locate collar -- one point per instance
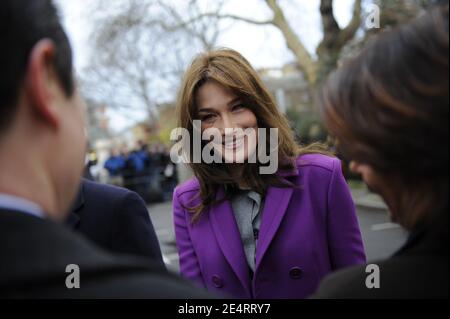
(73, 219)
(79, 200)
(289, 173)
(21, 205)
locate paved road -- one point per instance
(161, 215)
(381, 238)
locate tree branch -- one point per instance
(239, 18)
(331, 30)
(187, 23)
(304, 59)
(334, 39)
(350, 30)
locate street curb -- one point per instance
(381, 207)
(367, 200)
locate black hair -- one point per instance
(23, 23)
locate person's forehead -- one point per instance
(213, 95)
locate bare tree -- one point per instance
(334, 37)
(141, 51)
(146, 44)
(314, 66)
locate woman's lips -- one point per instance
(234, 145)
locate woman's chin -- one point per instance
(235, 159)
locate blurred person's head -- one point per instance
(224, 92)
(388, 109)
(142, 145)
(161, 147)
(42, 137)
(114, 152)
(123, 150)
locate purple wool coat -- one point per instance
(305, 234)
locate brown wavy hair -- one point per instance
(231, 70)
(389, 108)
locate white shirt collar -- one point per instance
(21, 205)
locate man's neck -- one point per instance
(24, 178)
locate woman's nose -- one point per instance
(227, 123)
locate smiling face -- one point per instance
(221, 109)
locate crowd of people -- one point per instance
(240, 234)
(146, 170)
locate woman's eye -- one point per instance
(208, 118)
(238, 107)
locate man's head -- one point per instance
(42, 139)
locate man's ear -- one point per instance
(41, 80)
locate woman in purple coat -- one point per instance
(244, 229)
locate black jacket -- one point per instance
(116, 220)
(35, 252)
(419, 270)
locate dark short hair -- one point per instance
(389, 108)
(22, 24)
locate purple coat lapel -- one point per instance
(228, 236)
(275, 206)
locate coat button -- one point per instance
(217, 281)
(296, 273)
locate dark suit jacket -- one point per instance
(35, 252)
(419, 270)
(115, 219)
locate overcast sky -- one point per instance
(263, 46)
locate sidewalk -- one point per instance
(365, 199)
